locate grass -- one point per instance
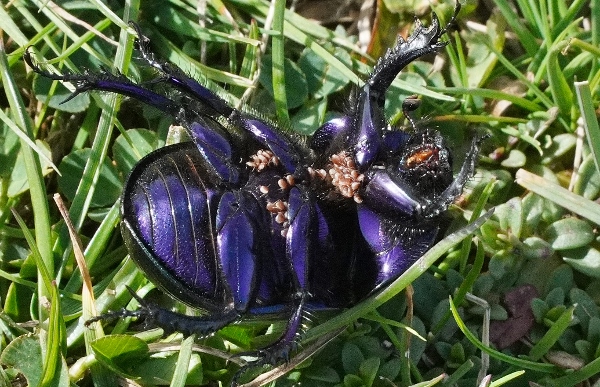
(524, 73)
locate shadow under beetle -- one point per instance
(246, 219)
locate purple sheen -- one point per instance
(409, 248)
(201, 260)
(142, 214)
(371, 227)
(293, 326)
(368, 139)
(178, 215)
(391, 264)
(163, 233)
(330, 130)
(272, 140)
(384, 194)
(298, 236)
(235, 240)
(394, 253)
(216, 150)
(323, 228)
(202, 94)
(136, 91)
(275, 268)
(394, 140)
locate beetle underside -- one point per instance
(261, 222)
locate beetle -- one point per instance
(246, 219)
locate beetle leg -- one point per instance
(281, 349)
(453, 191)
(214, 106)
(386, 194)
(212, 142)
(396, 245)
(238, 246)
(305, 239)
(368, 120)
(107, 82)
(169, 321)
(421, 42)
(169, 73)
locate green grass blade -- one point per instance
(588, 114)
(183, 362)
(551, 337)
(37, 186)
(521, 363)
(581, 206)
(278, 69)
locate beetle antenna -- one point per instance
(409, 105)
(452, 20)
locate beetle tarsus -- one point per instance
(157, 317)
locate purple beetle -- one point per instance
(246, 219)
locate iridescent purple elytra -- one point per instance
(247, 219)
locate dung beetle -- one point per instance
(246, 219)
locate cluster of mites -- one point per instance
(342, 175)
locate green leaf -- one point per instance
(586, 260)
(353, 381)
(552, 336)
(515, 159)
(324, 374)
(585, 306)
(160, 370)
(352, 358)
(25, 354)
(588, 180)
(481, 60)
(391, 368)
(19, 182)
(128, 149)
(368, 370)
(310, 116)
(295, 82)
(72, 167)
(322, 78)
(120, 353)
(521, 363)
(569, 233)
(510, 216)
(42, 86)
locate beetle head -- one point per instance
(425, 164)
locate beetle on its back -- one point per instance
(262, 223)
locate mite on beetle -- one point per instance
(259, 222)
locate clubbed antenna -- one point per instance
(409, 105)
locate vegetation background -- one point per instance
(524, 71)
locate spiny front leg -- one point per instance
(421, 42)
(105, 81)
(212, 105)
(361, 132)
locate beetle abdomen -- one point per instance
(169, 211)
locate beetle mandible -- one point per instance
(247, 219)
